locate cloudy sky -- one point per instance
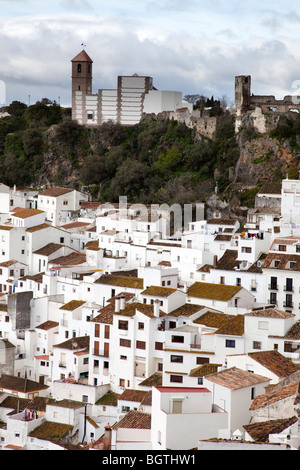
(192, 46)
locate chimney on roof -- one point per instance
(156, 308)
(122, 302)
(117, 304)
(107, 437)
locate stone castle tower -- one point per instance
(82, 81)
(242, 93)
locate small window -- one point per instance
(125, 342)
(175, 358)
(176, 379)
(263, 325)
(177, 339)
(123, 325)
(230, 343)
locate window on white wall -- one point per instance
(263, 325)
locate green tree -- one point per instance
(93, 170)
(130, 179)
(168, 160)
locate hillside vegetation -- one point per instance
(156, 161)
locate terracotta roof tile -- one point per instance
(25, 213)
(205, 290)
(147, 400)
(294, 332)
(51, 431)
(234, 326)
(159, 291)
(133, 395)
(55, 191)
(75, 344)
(260, 431)
(273, 396)
(48, 249)
(72, 305)
(187, 310)
(121, 281)
(106, 314)
(283, 261)
(204, 369)
(48, 325)
(82, 57)
(36, 228)
(275, 362)
(6, 264)
(93, 245)
(222, 221)
(15, 403)
(235, 378)
(228, 261)
(76, 225)
(134, 420)
(109, 399)
(152, 381)
(131, 309)
(73, 259)
(213, 319)
(20, 384)
(269, 313)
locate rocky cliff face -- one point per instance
(264, 159)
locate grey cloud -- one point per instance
(39, 63)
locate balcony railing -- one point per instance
(288, 304)
(273, 286)
(195, 346)
(288, 289)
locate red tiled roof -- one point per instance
(260, 431)
(134, 420)
(275, 362)
(235, 378)
(82, 57)
(55, 191)
(273, 396)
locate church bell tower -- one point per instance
(82, 80)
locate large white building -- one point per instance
(134, 96)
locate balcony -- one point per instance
(195, 346)
(100, 352)
(288, 304)
(288, 289)
(273, 286)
